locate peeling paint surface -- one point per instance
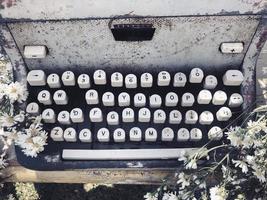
(177, 42)
(82, 9)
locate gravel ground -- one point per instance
(29, 191)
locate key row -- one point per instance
(171, 99)
(144, 115)
(135, 134)
(38, 78)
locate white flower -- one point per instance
(254, 127)
(184, 180)
(150, 196)
(169, 196)
(16, 92)
(3, 162)
(235, 140)
(240, 197)
(241, 164)
(183, 156)
(250, 159)
(218, 193)
(2, 90)
(6, 120)
(33, 141)
(192, 164)
(259, 174)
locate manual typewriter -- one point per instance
(120, 90)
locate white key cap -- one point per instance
(224, 114)
(68, 78)
(235, 100)
(57, 134)
(70, 135)
(100, 77)
(151, 135)
(44, 97)
(139, 100)
(191, 117)
(48, 115)
(128, 115)
(175, 117)
(183, 135)
(135, 134)
(95, 115)
(233, 78)
(53, 81)
(196, 75)
(164, 78)
(35, 51)
(116, 79)
(103, 135)
(167, 134)
(119, 135)
(33, 108)
(112, 118)
(76, 115)
(36, 78)
(108, 99)
(60, 97)
(130, 81)
(85, 135)
(155, 101)
(204, 97)
(146, 80)
(63, 117)
(124, 99)
(210, 82)
(171, 99)
(91, 97)
(219, 98)
(195, 134)
(144, 115)
(179, 80)
(83, 81)
(215, 133)
(206, 118)
(126, 154)
(187, 99)
(159, 116)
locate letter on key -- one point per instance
(85, 135)
(60, 97)
(76, 115)
(48, 115)
(57, 134)
(70, 135)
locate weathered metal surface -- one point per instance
(250, 61)
(12, 54)
(177, 42)
(69, 9)
(261, 72)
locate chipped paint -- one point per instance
(177, 42)
(84, 9)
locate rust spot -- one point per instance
(7, 3)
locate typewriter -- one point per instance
(135, 85)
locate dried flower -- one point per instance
(218, 193)
(16, 92)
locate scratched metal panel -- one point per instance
(69, 9)
(183, 41)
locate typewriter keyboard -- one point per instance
(113, 115)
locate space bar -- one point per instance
(124, 154)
